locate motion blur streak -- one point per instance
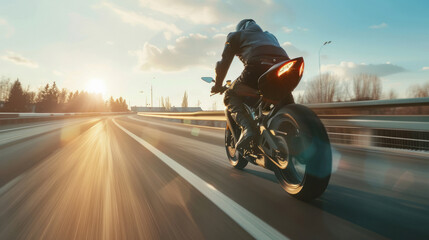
(79, 196)
(89, 190)
(252, 224)
(88, 179)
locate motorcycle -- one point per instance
(292, 141)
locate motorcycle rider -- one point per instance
(258, 50)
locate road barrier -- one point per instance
(394, 124)
(12, 118)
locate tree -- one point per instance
(118, 105)
(112, 104)
(50, 99)
(419, 91)
(5, 86)
(300, 98)
(43, 99)
(62, 97)
(47, 99)
(366, 87)
(167, 104)
(392, 94)
(162, 102)
(30, 98)
(321, 89)
(73, 102)
(17, 100)
(122, 104)
(344, 91)
(185, 100)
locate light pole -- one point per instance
(325, 43)
(142, 92)
(151, 92)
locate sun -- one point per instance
(95, 85)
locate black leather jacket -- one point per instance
(247, 44)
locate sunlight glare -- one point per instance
(96, 85)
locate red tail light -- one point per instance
(285, 68)
(301, 69)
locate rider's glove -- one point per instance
(217, 89)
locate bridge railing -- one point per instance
(393, 124)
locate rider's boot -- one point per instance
(248, 131)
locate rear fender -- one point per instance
(279, 108)
(279, 111)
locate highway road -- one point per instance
(130, 177)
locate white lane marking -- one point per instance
(247, 220)
(12, 129)
(39, 129)
(37, 125)
(10, 184)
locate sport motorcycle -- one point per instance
(292, 141)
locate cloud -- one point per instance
(58, 73)
(195, 11)
(302, 29)
(425, 68)
(287, 30)
(227, 28)
(382, 25)
(293, 51)
(18, 59)
(191, 50)
(215, 11)
(6, 30)
(349, 69)
(134, 18)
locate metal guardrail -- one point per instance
(10, 118)
(200, 116)
(22, 115)
(405, 102)
(409, 132)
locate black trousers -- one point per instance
(241, 90)
(245, 88)
(240, 93)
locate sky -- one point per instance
(127, 46)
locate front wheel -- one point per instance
(235, 158)
(306, 153)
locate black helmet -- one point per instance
(243, 24)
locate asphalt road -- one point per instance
(130, 177)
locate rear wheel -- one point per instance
(235, 158)
(305, 158)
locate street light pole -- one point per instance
(151, 96)
(320, 72)
(151, 92)
(142, 92)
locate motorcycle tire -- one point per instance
(235, 159)
(309, 155)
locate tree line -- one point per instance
(328, 87)
(14, 98)
(166, 103)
